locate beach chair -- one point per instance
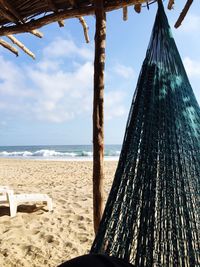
(3, 190)
(7, 195)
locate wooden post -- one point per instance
(98, 113)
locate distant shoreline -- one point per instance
(114, 159)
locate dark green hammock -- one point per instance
(152, 216)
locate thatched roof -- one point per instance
(25, 15)
(17, 16)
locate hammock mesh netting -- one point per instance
(152, 215)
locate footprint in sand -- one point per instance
(68, 244)
(42, 234)
(84, 199)
(45, 219)
(6, 230)
(83, 239)
(59, 219)
(62, 201)
(89, 220)
(81, 226)
(5, 252)
(68, 211)
(87, 211)
(77, 205)
(35, 232)
(79, 218)
(51, 239)
(7, 223)
(75, 251)
(31, 250)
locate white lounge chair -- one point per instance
(15, 199)
(3, 190)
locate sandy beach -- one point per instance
(35, 237)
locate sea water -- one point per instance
(58, 152)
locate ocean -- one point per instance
(59, 152)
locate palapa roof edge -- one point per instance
(16, 17)
(19, 16)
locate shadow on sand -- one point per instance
(5, 210)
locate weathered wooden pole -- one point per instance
(98, 113)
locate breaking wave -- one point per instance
(52, 153)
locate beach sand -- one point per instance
(35, 237)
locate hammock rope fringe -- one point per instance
(152, 215)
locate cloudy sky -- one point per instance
(49, 100)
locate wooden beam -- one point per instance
(170, 4)
(138, 8)
(11, 9)
(15, 17)
(85, 29)
(61, 23)
(72, 3)
(8, 16)
(51, 4)
(9, 47)
(183, 13)
(98, 113)
(37, 33)
(66, 14)
(125, 13)
(21, 45)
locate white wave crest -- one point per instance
(50, 153)
(86, 154)
(15, 154)
(39, 153)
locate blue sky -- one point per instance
(49, 101)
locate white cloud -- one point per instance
(49, 64)
(2, 105)
(191, 24)
(62, 95)
(10, 77)
(192, 67)
(66, 48)
(114, 104)
(3, 123)
(50, 90)
(124, 71)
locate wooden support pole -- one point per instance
(98, 113)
